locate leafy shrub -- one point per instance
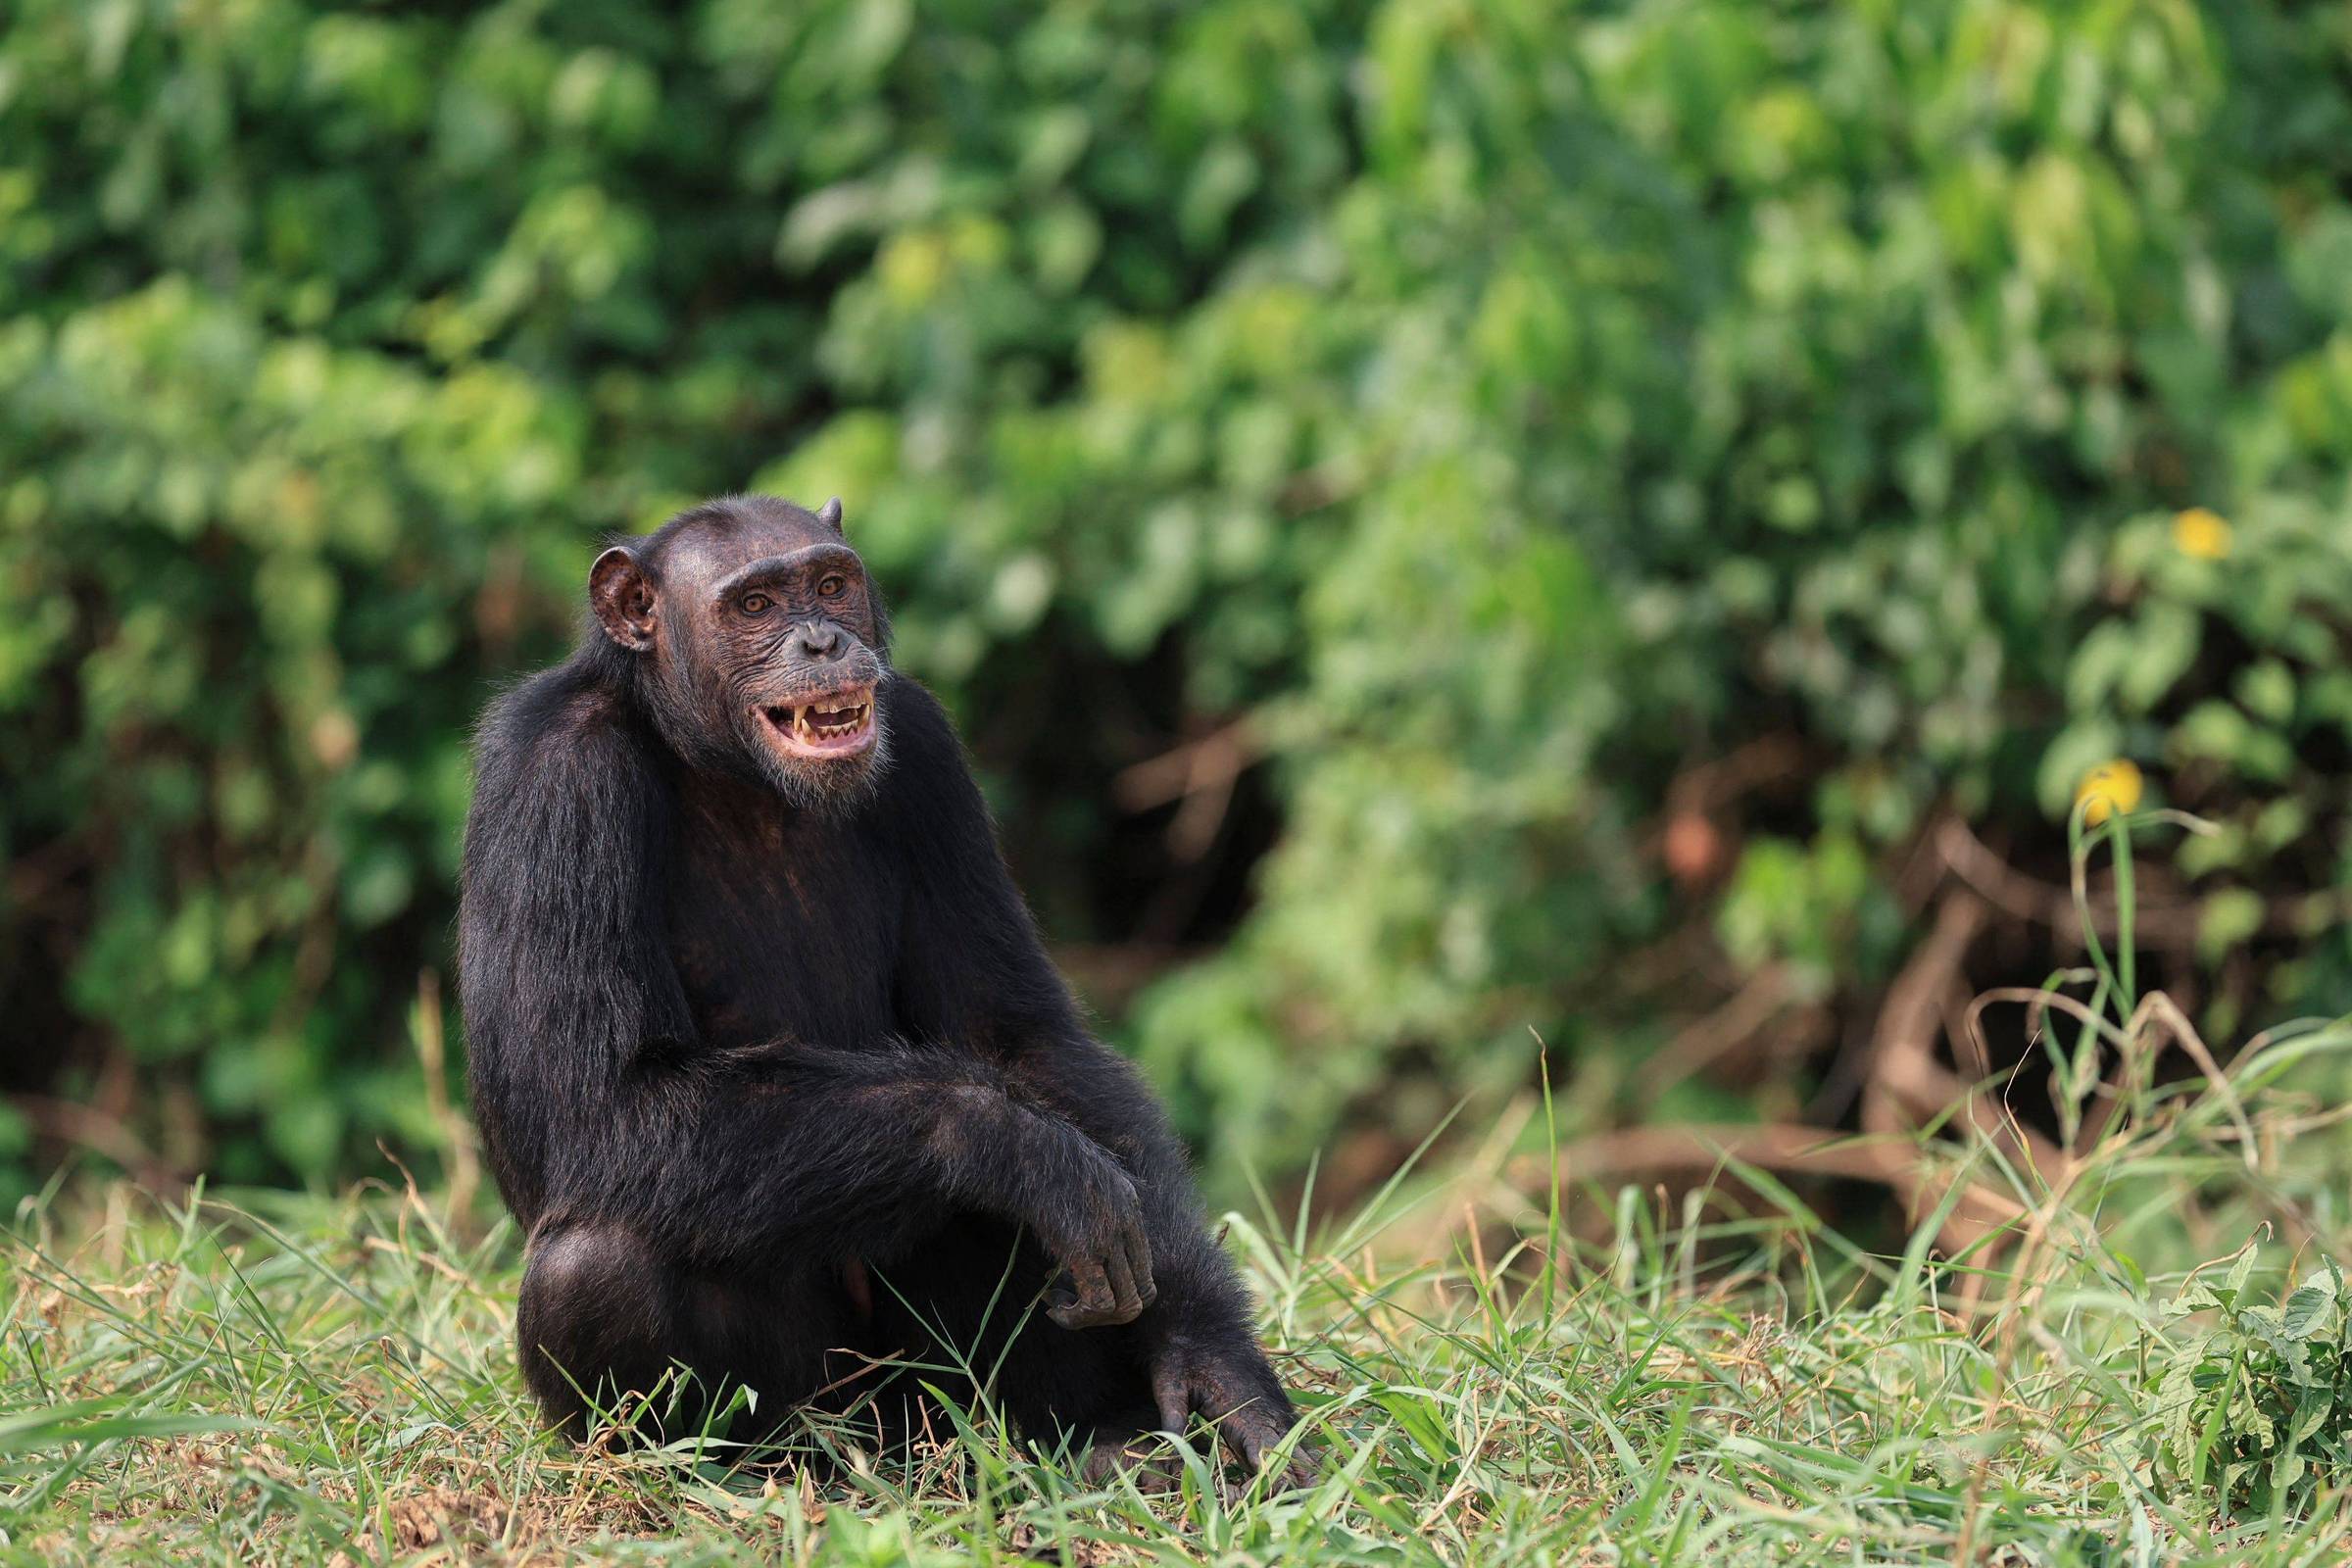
(1484, 417)
(2259, 1403)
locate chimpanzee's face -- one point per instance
(766, 640)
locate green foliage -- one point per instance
(1504, 409)
(2260, 1401)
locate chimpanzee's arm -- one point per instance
(596, 1102)
(974, 973)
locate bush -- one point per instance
(1485, 423)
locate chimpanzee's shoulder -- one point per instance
(927, 772)
(563, 728)
(915, 715)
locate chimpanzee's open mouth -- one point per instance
(827, 725)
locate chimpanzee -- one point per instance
(770, 1061)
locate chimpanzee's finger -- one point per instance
(1094, 1296)
(1253, 1432)
(1141, 1456)
(1139, 1264)
(1082, 1317)
(1174, 1397)
(1261, 1434)
(1126, 1301)
(1094, 1287)
(1241, 1439)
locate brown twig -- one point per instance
(86, 1127)
(1633, 1153)
(1199, 776)
(1182, 770)
(2165, 923)
(1701, 1044)
(1906, 1088)
(1715, 783)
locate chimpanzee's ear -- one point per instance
(830, 514)
(621, 592)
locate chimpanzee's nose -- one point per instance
(814, 640)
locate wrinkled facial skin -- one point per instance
(765, 648)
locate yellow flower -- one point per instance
(2107, 789)
(2202, 533)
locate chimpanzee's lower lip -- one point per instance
(826, 724)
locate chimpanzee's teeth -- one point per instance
(802, 720)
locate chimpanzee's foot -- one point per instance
(1226, 1381)
(1147, 1457)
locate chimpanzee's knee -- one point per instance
(596, 1321)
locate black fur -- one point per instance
(778, 1084)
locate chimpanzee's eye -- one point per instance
(755, 604)
(830, 586)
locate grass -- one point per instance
(2086, 1363)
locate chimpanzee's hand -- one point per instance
(1231, 1386)
(1096, 1233)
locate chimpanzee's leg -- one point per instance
(976, 1280)
(966, 1302)
(597, 1319)
(794, 1338)
(604, 1314)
